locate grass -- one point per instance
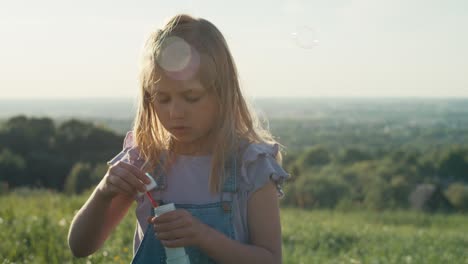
(34, 226)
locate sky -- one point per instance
(282, 48)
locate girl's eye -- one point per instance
(192, 99)
(166, 99)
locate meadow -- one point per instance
(34, 226)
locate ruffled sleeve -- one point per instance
(130, 152)
(259, 166)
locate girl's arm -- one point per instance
(95, 221)
(265, 233)
(105, 208)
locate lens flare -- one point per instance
(178, 59)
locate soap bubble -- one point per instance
(305, 37)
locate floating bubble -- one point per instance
(305, 37)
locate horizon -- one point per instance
(293, 107)
(409, 97)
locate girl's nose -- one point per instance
(176, 110)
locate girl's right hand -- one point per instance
(122, 179)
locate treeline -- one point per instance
(37, 153)
(360, 178)
(71, 156)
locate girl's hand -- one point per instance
(178, 229)
(122, 178)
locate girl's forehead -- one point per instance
(176, 85)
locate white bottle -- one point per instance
(173, 255)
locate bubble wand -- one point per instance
(150, 186)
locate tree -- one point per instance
(22, 134)
(79, 179)
(12, 169)
(318, 191)
(454, 165)
(351, 155)
(377, 194)
(315, 156)
(457, 194)
(82, 141)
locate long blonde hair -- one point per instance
(216, 70)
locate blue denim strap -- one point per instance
(230, 183)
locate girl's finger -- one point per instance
(174, 234)
(129, 178)
(168, 226)
(139, 174)
(121, 184)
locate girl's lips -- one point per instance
(180, 129)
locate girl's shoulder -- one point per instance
(250, 151)
(259, 165)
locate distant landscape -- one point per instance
(331, 121)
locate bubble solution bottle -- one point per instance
(173, 255)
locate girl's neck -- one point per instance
(202, 147)
(191, 152)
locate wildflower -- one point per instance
(62, 222)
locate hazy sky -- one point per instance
(53, 48)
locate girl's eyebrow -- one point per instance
(184, 91)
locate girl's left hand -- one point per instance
(178, 229)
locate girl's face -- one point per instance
(188, 112)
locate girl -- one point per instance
(195, 134)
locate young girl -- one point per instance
(195, 135)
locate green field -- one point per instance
(34, 226)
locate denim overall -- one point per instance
(217, 215)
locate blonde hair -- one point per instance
(215, 68)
